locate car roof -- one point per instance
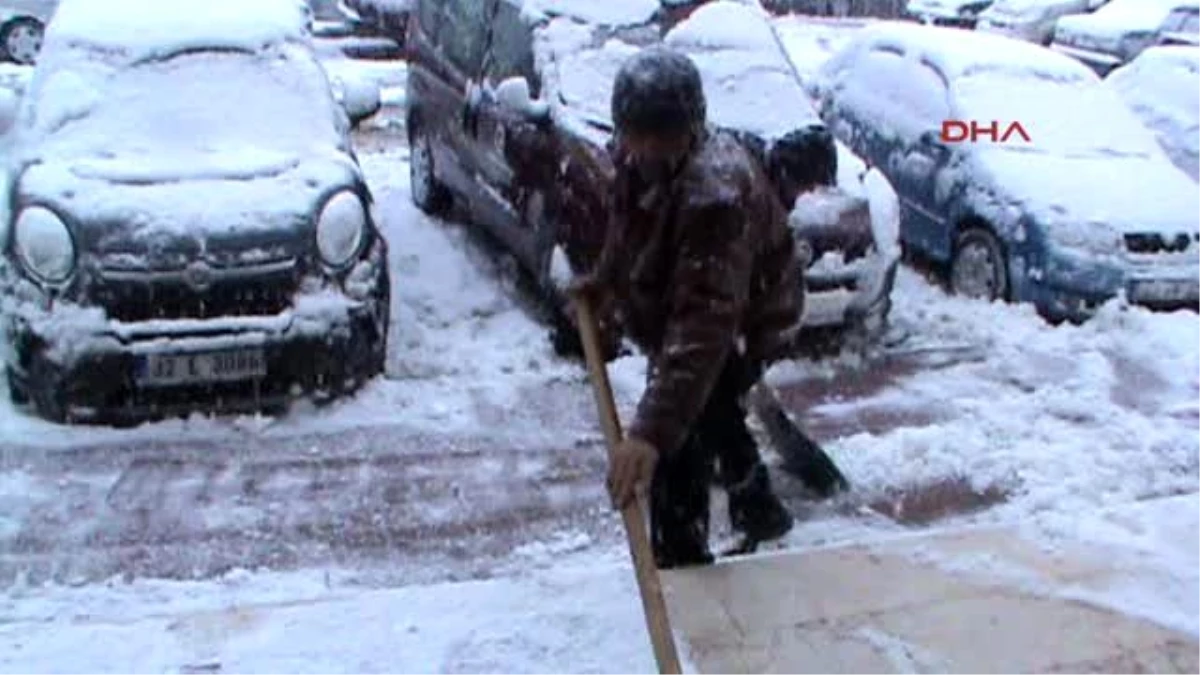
(954, 53)
(133, 30)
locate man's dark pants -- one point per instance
(679, 492)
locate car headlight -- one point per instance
(44, 245)
(341, 228)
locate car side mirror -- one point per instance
(513, 95)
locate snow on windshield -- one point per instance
(1033, 7)
(586, 79)
(195, 109)
(137, 29)
(748, 81)
(1160, 88)
(1078, 118)
(598, 12)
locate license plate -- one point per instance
(1164, 290)
(158, 370)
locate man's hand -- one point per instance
(630, 470)
(587, 287)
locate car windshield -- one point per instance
(1065, 118)
(586, 78)
(197, 102)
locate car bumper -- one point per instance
(846, 294)
(952, 21)
(1101, 62)
(1028, 30)
(326, 343)
(1072, 289)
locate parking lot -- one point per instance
(477, 457)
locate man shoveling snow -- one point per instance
(699, 269)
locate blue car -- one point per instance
(1069, 203)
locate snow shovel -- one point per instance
(802, 457)
(654, 606)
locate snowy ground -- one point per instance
(450, 517)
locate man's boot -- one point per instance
(754, 510)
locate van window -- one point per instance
(463, 33)
(512, 47)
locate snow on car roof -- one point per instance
(597, 12)
(1121, 17)
(748, 80)
(138, 29)
(956, 53)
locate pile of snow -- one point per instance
(1067, 419)
(131, 30)
(598, 13)
(1159, 87)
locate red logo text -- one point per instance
(970, 131)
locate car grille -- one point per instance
(128, 296)
(1152, 242)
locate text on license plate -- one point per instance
(200, 367)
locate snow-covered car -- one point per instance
(535, 171)
(185, 224)
(385, 17)
(22, 25)
(1117, 32)
(1182, 27)
(355, 90)
(1160, 87)
(956, 13)
(1086, 209)
(1031, 20)
(332, 18)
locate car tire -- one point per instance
(979, 267)
(428, 193)
(21, 39)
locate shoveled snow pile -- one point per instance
(1065, 419)
(1159, 87)
(139, 29)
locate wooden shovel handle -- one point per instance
(654, 606)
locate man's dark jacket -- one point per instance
(700, 268)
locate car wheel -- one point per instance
(979, 268)
(21, 39)
(428, 193)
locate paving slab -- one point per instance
(984, 600)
